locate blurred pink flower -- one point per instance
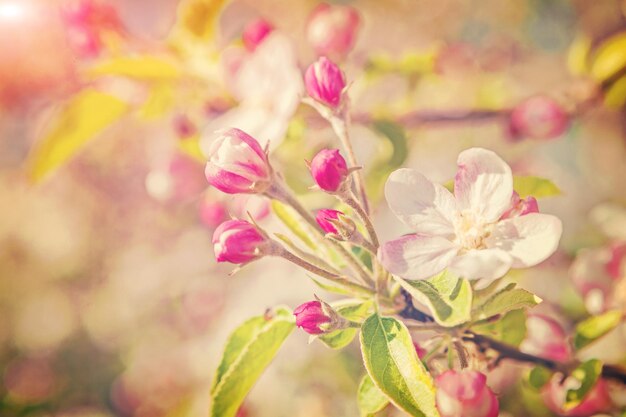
(256, 205)
(212, 212)
(464, 232)
(538, 117)
(267, 83)
(331, 30)
(545, 338)
(596, 401)
(465, 394)
(255, 32)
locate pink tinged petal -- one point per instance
(417, 256)
(483, 184)
(546, 338)
(422, 205)
(485, 264)
(227, 182)
(529, 239)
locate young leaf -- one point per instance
(505, 300)
(448, 297)
(393, 366)
(595, 327)
(587, 373)
(369, 398)
(293, 223)
(510, 329)
(248, 352)
(610, 58)
(353, 310)
(538, 377)
(85, 116)
(534, 186)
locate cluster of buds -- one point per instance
(465, 394)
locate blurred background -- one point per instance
(111, 303)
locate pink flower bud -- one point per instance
(324, 218)
(239, 242)
(465, 394)
(183, 127)
(331, 30)
(421, 352)
(520, 207)
(545, 338)
(212, 213)
(329, 169)
(614, 267)
(310, 316)
(255, 32)
(325, 82)
(596, 401)
(538, 117)
(237, 164)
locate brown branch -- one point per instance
(509, 352)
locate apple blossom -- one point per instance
(310, 317)
(593, 274)
(329, 170)
(331, 29)
(325, 82)
(237, 164)
(239, 242)
(596, 401)
(255, 32)
(545, 338)
(465, 394)
(464, 232)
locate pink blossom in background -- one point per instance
(465, 394)
(331, 29)
(538, 117)
(596, 401)
(464, 232)
(255, 32)
(546, 338)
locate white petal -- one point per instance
(417, 256)
(529, 239)
(486, 264)
(483, 183)
(425, 207)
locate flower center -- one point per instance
(471, 231)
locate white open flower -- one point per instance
(464, 232)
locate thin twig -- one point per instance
(365, 218)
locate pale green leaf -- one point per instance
(393, 366)
(86, 115)
(290, 219)
(610, 58)
(509, 329)
(369, 398)
(448, 297)
(248, 352)
(505, 300)
(615, 96)
(353, 310)
(539, 376)
(587, 373)
(534, 186)
(144, 67)
(595, 327)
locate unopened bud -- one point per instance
(325, 82)
(538, 117)
(331, 30)
(596, 401)
(239, 242)
(464, 394)
(329, 170)
(311, 317)
(336, 223)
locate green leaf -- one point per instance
(145, 67)
(290, 219)
(587, 373)
(393, 365)
(610, 58)
(538, 377)
(448, 297)
(353, 310)
(595, 327)
(535, 186)
(249, 350)
(369, 398)
(86, 115)
(510, 329)
(505, 300)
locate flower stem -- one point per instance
(365, 218)
(322, 272)
(280, 192)
(340, 126)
